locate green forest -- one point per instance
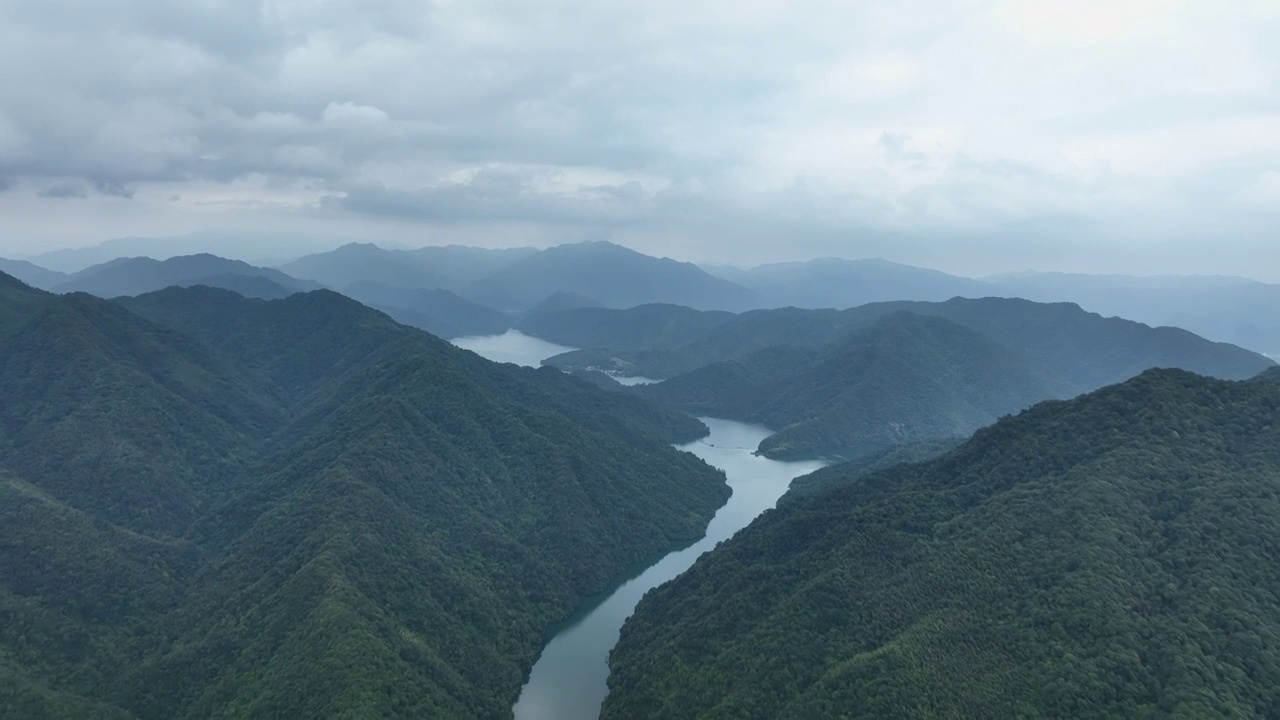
(212, 506)
(855, 383)
(1112, 556)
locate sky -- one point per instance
(967, 135)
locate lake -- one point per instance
(569, 680)
(512, 346)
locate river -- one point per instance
(569, 681)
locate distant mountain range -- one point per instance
(212, 505)
(1222, 308)
(1109, 556)
(837, 283)
(135, 276)
(32, 274)
(516, 281)
(856, 382)
(451, 267)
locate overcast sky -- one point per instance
(973, 136)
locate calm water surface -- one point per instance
(569, 681)
(512, 346)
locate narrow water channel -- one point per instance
(569, 681)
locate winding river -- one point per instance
(570, 679)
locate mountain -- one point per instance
(135, 276)
(17, 301)
(215, 506)
(439, 312)
(259, 249)
(903, 378)
(664, 341)
(1109, 556)
(613, 275)
(645, 327)
(1085, 349)
(839, 283)
(1227, 309)
(32, 274)
(451, 267)
(560, 301)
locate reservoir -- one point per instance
(512, 346)
(569, 680)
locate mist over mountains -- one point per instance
(279, 486)
(514, 281)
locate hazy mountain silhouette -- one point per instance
(135, 276)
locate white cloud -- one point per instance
(349, 115)
(813, 117)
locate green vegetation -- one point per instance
(1084, 349)
(856, 382)
(903, 378)
(1109, 556)
(851, 470)
(212, 506)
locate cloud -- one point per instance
(65, 190)
(815, 120)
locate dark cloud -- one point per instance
(65, 190)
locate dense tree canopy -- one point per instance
(219, 507)
(1117, 555)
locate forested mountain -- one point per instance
(855, 382)
(439, 312)
(611, 274)
(1109, 556)
(1086, 349)
(838, 283)
(215, 506)
(135, 276)
(32, 274)
(1228, 309)
(902, 378)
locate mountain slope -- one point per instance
(32, 274)
(439, 312)
(330, 515)
(903, 378)
(613, 275)
(1227, 309)
(1111, 556)
(111, 414)
(135, 276)
(1086, 349)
